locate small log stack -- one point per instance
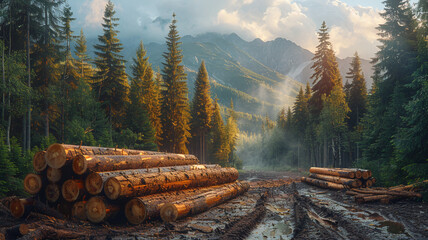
(340, 178)
(359, 183)
(98, 184)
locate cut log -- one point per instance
(99, 163)
(201, 202)
(32, 183)
(78, 210)
(410, 187)
(54, 174)
(352, 193)
(39, 161)
(145, 184)
(94, 182)
(57, 154)
(334, 179)
(368, 183)
(99, 209)
(333, 172)
(72, 189)
(323, 184)
(389, 192)
(20, 207)
(371, 198)
(139, 209)
(52, 192)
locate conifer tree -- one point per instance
(137, 117)
(300, 120)
(282, 118)
(201, 111)
(218, 148)
(175, 105)
(82, 62)
(232, 133)
(110, 81)
(357, 93)
(326, 71)
(149, 95)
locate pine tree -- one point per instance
(232, 133)
(300, 121)
(326, 72)
(137, 117)
(201, 111)
(82, 61)
(282, 118)
(110, 81)
(175, 105)
(149, 91)
(218, 148)
(357, 93)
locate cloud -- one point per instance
(352, 27)
(94, 12)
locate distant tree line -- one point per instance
(385, 129)
(52, 91)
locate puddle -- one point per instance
(280, 229)
(393, 227)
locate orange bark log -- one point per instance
(39, 161)
(99, 209)
(33, 183)
(57, 154)
(201, 202)
(334, 179)
(82, 163)
(52, 192)
(72, 189)
(94, 182)
(78, 211)
(333, 172)
(323, 184)
(139, 209)
(145, 184)
(20, 207)
(389, 192)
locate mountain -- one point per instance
(259, 77)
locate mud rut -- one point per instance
(275, 207)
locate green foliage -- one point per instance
(326, 71)
(357, 93)
(111, 81)
(175, 106)
(8, 170)
(218, 147)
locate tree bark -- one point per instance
(57, 154)
(99, 163)
(333, 172)
(139, 209)
(99, 209)
(146, 184)
(345, 181)
(199, 203)
(94, 182)
(323, 184)
(39, 161)
(32, 183)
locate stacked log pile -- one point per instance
(358, 183)
(98, 184)
(340, 178)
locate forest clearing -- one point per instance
(277, 206)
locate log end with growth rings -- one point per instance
(135, 211)
(39, 161)
(78, 211)
(53, 174)
(52, 192)
(95, 210)
(32, 183)
(94, 183)
(169, 212)
(112, 188)
(79, 164)
(17, 207)
(70, 190)
(56, 156)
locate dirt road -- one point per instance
(275, 207)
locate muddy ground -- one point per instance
(277, 206)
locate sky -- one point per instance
(352, 23)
